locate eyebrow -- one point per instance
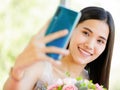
(88, 29)
(92, 32)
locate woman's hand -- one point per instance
(36, 51)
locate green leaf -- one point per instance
(67, 74)
(79, 78)
(60, 87)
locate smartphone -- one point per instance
(63, 18)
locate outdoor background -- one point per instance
(21, 19)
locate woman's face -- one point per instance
(88, 40)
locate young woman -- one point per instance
(89, 56)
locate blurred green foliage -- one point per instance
(19, 21)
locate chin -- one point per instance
(80, 61)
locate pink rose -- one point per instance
(98, 87)
(69, 87)
(53, 87)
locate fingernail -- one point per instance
(64, 32)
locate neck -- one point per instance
(69, 65)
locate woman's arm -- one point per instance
(31, 76)
(10, 84)
(33, 53)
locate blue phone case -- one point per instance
(63, 18)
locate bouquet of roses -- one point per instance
(71, 84)
(74, 84)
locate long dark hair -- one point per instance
(99, 69)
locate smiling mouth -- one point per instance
(84, 52)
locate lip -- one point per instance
(84, 52)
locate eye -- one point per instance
(86, 33)
(100, 42)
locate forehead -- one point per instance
(98, 27)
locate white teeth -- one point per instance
(84, 52)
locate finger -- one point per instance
(42, 56)
(49, 59)
(56, 50)
(45, 57)
(55, 35)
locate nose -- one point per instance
(90, 44)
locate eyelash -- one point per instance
(85, 33)
(100, 41)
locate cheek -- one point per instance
(73, 40)
(100, 50)
(73, 44)
(77, 38)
